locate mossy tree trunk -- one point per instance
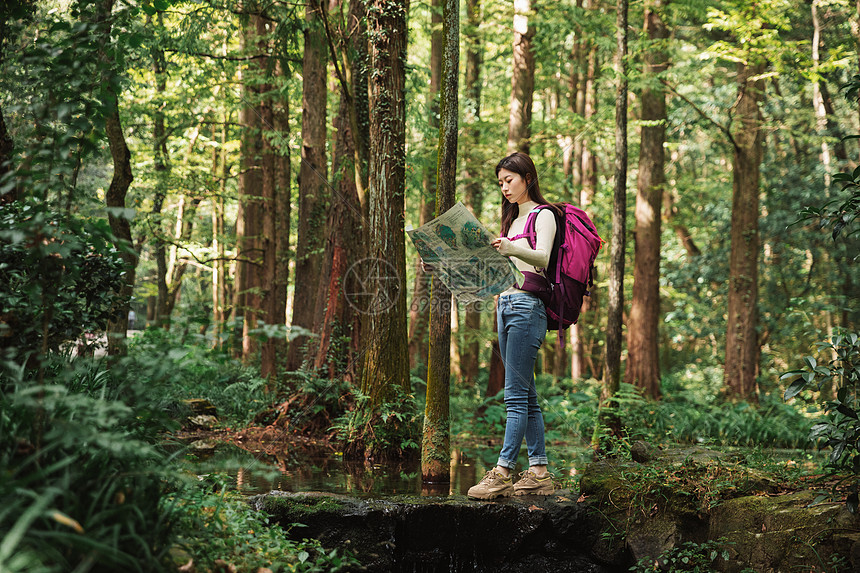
(386, 360)
(435, 445)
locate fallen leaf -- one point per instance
(581, 498)
(561, 498)
(67, 521)
(536, 508)
(188, 567)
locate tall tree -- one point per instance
(313, 184)
(386, 360)
(523, 81)
(122, 177)
(249, 218)
(742, 343)
(582, 356)
(345, 245)
(275, 235)
(643, 367)
(612, 375)
(435, 445)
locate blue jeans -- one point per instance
(522, 328)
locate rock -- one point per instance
(200, 406)
(643, 452)
(204, 421)
(446, 534)
(784, 533)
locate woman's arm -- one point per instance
(539, 256)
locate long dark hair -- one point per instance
(522, 165)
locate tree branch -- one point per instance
(705, 116)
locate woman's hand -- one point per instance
(503, 246)
(426, 267)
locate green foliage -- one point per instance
(388, 430)
(215, 523)
(80, 480)
(687, 556)
(184, 366)
(59, 277)
(841, 373)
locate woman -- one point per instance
(522, 327)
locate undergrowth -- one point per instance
(218, 530)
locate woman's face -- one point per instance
(513, 186)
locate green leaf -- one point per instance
(794, 389)
(161, 5)
(846, 411)
(303, 556)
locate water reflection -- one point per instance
(303, 468)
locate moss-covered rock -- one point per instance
(785, 533)
(446, 534)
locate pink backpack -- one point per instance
(571, 263)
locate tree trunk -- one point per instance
(643, 368)
(7, 167)
(274, 242)
(419, 309)
(612, 375)
(742, 344)
(582, 359)
(523, 82)
(435, 444)
(219, 278)
(118, 189)
(345, 246)
(313, 187)
(386, 360)
(817, 99)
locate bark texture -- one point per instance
(523, 82)
(643, 368)
(436, 438)
(274, 239)
(742, 343)
(313, 184)
(345, 244)
(386, 361)
(249, 222)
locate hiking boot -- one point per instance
(530, 484)
(492, 485)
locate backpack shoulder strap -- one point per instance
(529, 232)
